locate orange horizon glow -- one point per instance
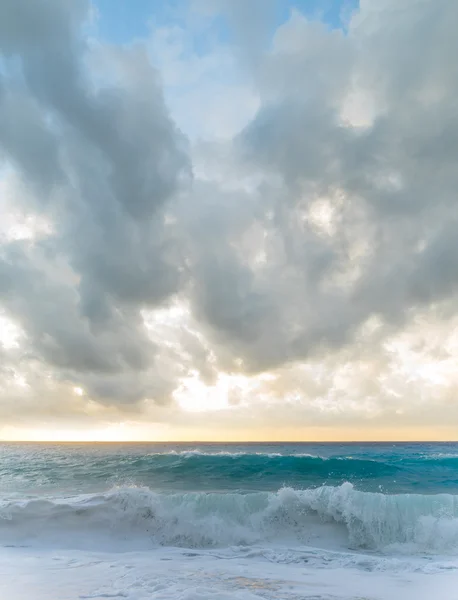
(176, 436)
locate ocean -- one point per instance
(229, 521)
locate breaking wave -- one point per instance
(328, 517)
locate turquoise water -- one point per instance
(390, 468)
(386, 498)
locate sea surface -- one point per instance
(229, 521)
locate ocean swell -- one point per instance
(329, 517)
(274, 469)
(194, 469)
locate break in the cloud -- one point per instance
(249, 231)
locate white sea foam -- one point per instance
(197, 452)
(175, 574)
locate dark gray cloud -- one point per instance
(100, 160)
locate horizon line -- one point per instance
(234, 442)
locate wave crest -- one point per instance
(328, 517)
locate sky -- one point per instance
(228, 220)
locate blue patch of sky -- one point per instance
(122, 21)
(334, 13)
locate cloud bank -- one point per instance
(296, 264)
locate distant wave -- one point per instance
(329, 517)
(243, 465)
(441, 457)
(236, 454)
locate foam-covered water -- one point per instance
(376, 507)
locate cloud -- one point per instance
(389, 187)
(100, 159)
(269, 243)
(192, 79)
